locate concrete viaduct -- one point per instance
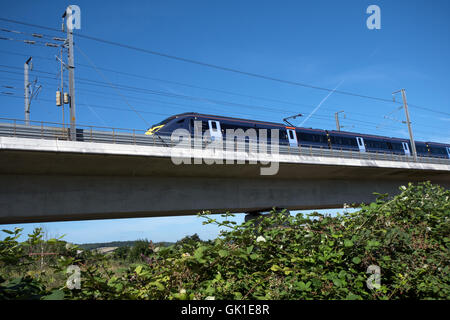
(45, 180)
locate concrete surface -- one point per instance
(45, 180)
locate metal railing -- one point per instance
(99, 134)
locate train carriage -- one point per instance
(217, 127)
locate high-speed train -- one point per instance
(304, 137)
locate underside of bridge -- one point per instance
(59, 186)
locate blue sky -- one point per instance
(321, 43)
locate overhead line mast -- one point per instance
(26, 68)
(405, 105)
(71, 67)
(30, 89)
(336, 117)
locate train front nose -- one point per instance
(152, 130)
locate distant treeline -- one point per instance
(119, 244)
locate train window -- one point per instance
(214, 125)
(375, 144)
(180, 121)
(301, 136)
(320, 138)
(226, 127)
(205, 126)
(192, 124)
(437, 150)
(343, 141)
(421, 149)
(312, 137)
(351, 142)
(397, 146)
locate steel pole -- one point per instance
(413, 145)
(71, 67)
(26, 85)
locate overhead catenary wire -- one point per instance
(111, 85)
(32, 42)
(199, 87)
(269, 110)
(214, 66)
(97, 83)
(222, 91)
(99, 106)
(424, 108)
(194, 86)
(25, 55)
(123, 109)
(109, 107)
(163, 93)
(142, 111)
(34, 35)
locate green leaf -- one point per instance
(223, 253)
(254, 256)
(352, 296)
(337, 282)
(198, 253)
(348, 243)
(356, 260)
(373, 243)
(275, 268)
(55, 295)
(138, 269)
(303, 286)
(237, 296)
(158, 285)
(249, 249)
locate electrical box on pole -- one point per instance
(66, 98)
(58, 98)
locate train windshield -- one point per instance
(163, 122)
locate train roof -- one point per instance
(371, 136)
(210, 116)
(439, 144)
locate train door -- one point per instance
(406, 148)
(292, 137)
(360, 142)
(214, 130)
(448, 151)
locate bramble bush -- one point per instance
(284, 257)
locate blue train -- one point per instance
(305, 137)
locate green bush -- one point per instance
(295, 257)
